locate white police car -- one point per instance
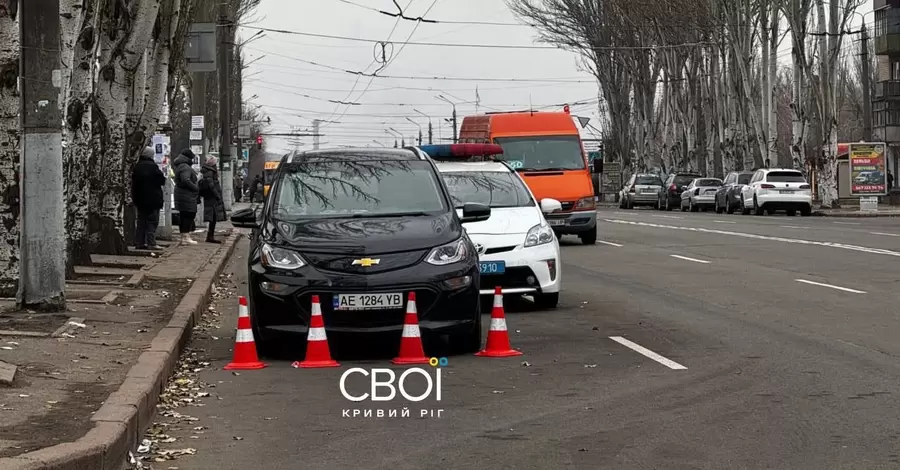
(517, 249)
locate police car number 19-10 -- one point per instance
(367, 301)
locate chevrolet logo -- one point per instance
(366, 262)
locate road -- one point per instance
(785, 331)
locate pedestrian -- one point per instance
(147, 182)
(186, 194)
(254, 186)
(211, 191)
(237, 189)
(890, 179)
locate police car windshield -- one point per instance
(491, 188)
(366, 188)
(542, 152)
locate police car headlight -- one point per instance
(539, 235)
(450, 253)
(280, 258)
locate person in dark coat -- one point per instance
(147, 182)
(254, 186)
(186, 194)
(211, 192)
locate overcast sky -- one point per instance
(281, 72)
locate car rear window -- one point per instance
(744, 179)
(683, 180)
(785, 177)
(651, 180)
(709, 182)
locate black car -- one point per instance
(669, 196)
(361, 228)
(728, 198)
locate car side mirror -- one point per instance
(245, 218)
(474, 212)
(549, 206)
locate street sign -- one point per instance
(243, 129)
(200, 48)
(245, 154)
(868, 169)
(197, 122)
(196, 135)
(197, 149)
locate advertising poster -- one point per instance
(868, 171)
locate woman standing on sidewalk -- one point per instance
(211, 192)
(186, 194)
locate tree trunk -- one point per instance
(9, 156)
(77, 153)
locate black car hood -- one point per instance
(365, 235)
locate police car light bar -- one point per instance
(455, 151)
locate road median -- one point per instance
(117, 425)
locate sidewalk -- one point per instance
(884, 210)
(67, 365)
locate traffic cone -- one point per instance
(317, 352)
(245, 357)
(498, 338)
(411, 350)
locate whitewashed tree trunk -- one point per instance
(78, 132)
(121, 53)
(9, 156)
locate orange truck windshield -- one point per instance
(542, 153)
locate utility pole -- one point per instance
(455, 139)
(867, 99)
(43, 244)
(226, 52)
(315, 126)
(202, 15)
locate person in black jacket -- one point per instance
(186, 194)
(147, 182)
(211, 192)
(254, 186)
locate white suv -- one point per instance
(517, 249)
(775, 189)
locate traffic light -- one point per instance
(259, 142)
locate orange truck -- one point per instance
(546, 149)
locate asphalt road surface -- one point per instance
(682, 341)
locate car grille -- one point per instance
(513, 277)
(426, 298)
(567, 206)
(499, 249)
(344, 264)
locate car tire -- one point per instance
(806, 211)
(792, 213)
(744, 209)
(729, 207)
(470, 341)
(264, 347)
(756, 209)
(692, 207)
(668, 207)
(717, 208)
(589, 237)
(546, 301)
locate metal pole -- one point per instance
(866, 78)
(315, 126)
(455, 139)
(226, 45)
(43, 243)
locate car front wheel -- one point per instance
(469, 341)
(547, 301)
(589, 237)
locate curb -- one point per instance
(855, 214)
(127, 412)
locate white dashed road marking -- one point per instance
(608, 243)
(845, 289)
(848, 223)
(667, 216)
(648, 353)
(885, 234)
(690, 259)
(877, 251)
(791, 226)
(724, 222)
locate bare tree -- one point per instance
(9, 150)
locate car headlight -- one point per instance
(450, 253)
(280, 258)
(539, 235)
(586, 203)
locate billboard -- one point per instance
(868, 168)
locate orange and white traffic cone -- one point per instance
(245, 357)
(411, 350)
(498, 338)
(317, 352)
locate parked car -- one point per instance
(700, 194)
(669, 195)
(641, 190)
(728, 197)
(777, 189)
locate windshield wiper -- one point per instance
(390, 214)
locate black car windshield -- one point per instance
(648, 180)
(785, 177)
(491, 188)
(709, 182)
(744, 178)
(357, 188)
(542, 152)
